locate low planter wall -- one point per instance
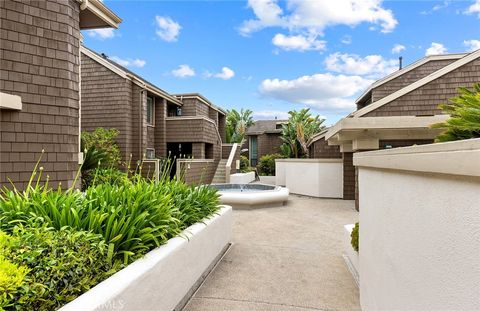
(349, 254)
(419, 227)
(166, 277)
(321, 178)
(242, 178)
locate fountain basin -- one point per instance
(248, 196)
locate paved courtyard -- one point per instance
(286, 258)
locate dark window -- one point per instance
(150, 111)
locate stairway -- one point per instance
(219, 177)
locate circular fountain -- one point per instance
(251, 195)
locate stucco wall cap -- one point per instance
(454, 158)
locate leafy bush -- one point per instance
(464, 111)
(62, 264)
(11, 278)
(354, 236)
(103, 141)
(133, 215)
(266, 165)
(244, 164)
(68, 241)
(100, 150)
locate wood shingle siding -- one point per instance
(408, 78)
(425, 99)
(39, 61)
(320, 149)
(106, 102)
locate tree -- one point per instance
(237, 124)
(300, 128)
(464, 111)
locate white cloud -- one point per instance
(436, 49)
(270, 115)
(398, 48)
(225, 74)
(474, 8)
(437, 7)
(314, 16)
(319, 91)
(346, 39)
(128, 62)
(101, 34)
(298, 42)
(372, 66)
(167, 29)
(472, 45)
(183, 71)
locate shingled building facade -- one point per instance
(40, 85)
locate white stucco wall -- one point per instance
(420, 228)
(313, 177)
(280, 173)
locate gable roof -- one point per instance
(127, 74)
(265, 126)
(406, 69)
(419, 83)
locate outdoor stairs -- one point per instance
(219, 177)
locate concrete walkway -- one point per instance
(286, 258)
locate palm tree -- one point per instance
(300, 128)
(464, 111)
(237, 124)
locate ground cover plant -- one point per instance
(56, 244)
(354, 236)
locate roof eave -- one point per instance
(106, 18)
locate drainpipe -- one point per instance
(140, 114)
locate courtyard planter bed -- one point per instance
(167, 276)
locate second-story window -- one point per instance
(150, 111)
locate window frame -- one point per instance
(151, 103)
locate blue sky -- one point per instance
(275, 56)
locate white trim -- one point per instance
(455, 158)
(9, 101)
(409, 68)
(397, 122)
(101, 11)
(411, 87)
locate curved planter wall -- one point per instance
(166, 276)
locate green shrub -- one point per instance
(100, 151)
(266, 165)
(70, 241)
(134, 215)
(103, 141)
(62, 264)
(244, 164)
(354, 236)
(464, 111)
(11, 278)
